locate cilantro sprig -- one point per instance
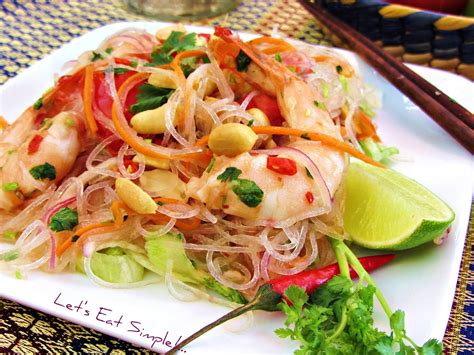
(176, 42)
(247, 190)
(150, 97)
(338, 317)
(64, 219)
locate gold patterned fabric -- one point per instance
(30, 30)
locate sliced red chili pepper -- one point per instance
(130, 165)
(123, 61)
(222, 31)
(312, 279)
(309, 197)
(39, 119)
(34, 144)
(282, 166)
(270, 294)
(207, 36)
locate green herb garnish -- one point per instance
(305, 136)
(308, 173)
(242, 61)
(320, 105)
(229, 174)
(278, 57)
(248, 192)
(10, 255)
(339, 69)
(45, 171)
(10, 186)
(109, 50)
(38, 103)
(10, 234)
(179, 42)
(211, 165)
(96, 56)
(159, 58)
(250, 123)
(150, 97)
(64, 219)
(118, 71)
(325, 90)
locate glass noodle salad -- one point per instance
(214, 163)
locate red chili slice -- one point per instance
(207, 36)
(309, 197)
(34, 144)
(130, 165)
(282, 166)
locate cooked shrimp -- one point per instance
(25, 148)
(284, 196)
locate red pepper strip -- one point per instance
(270, 293)
(282, 166)
(312, 279)
(129, 163)
(34, 144)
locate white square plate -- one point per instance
(421, 281)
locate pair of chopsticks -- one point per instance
(451, 116)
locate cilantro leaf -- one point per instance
(159, 58)
(38, 103)
(150, 97)
(231, 173)
(242, 61)
(118, 71)
(96, 56)
(178, 42)
(45, 171)
(248, 192)
(64, 219)
(432, 347)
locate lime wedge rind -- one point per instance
(386, 210)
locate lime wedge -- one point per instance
(386, 210)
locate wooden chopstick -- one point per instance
(451, 116)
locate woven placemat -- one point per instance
(31, 30)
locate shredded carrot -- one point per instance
(275, 50)
(319, 137)
(202, 141)
(68, 242)
(88, 93)
(166, 200)
(188, 224)
(223, 49)
(364, 126)
(284, 45)
(3, 122)
(116, 208)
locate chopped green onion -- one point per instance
(250, 123)
(345, 84)
(10, 234)
(325, 90)
(211, 164)
(10, 255)
(10, 186)
(278, 57)
(38, 103)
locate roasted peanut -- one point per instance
(134, 197)
(260, 118)
(151, 121)
(231, 139)
(162, 80)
